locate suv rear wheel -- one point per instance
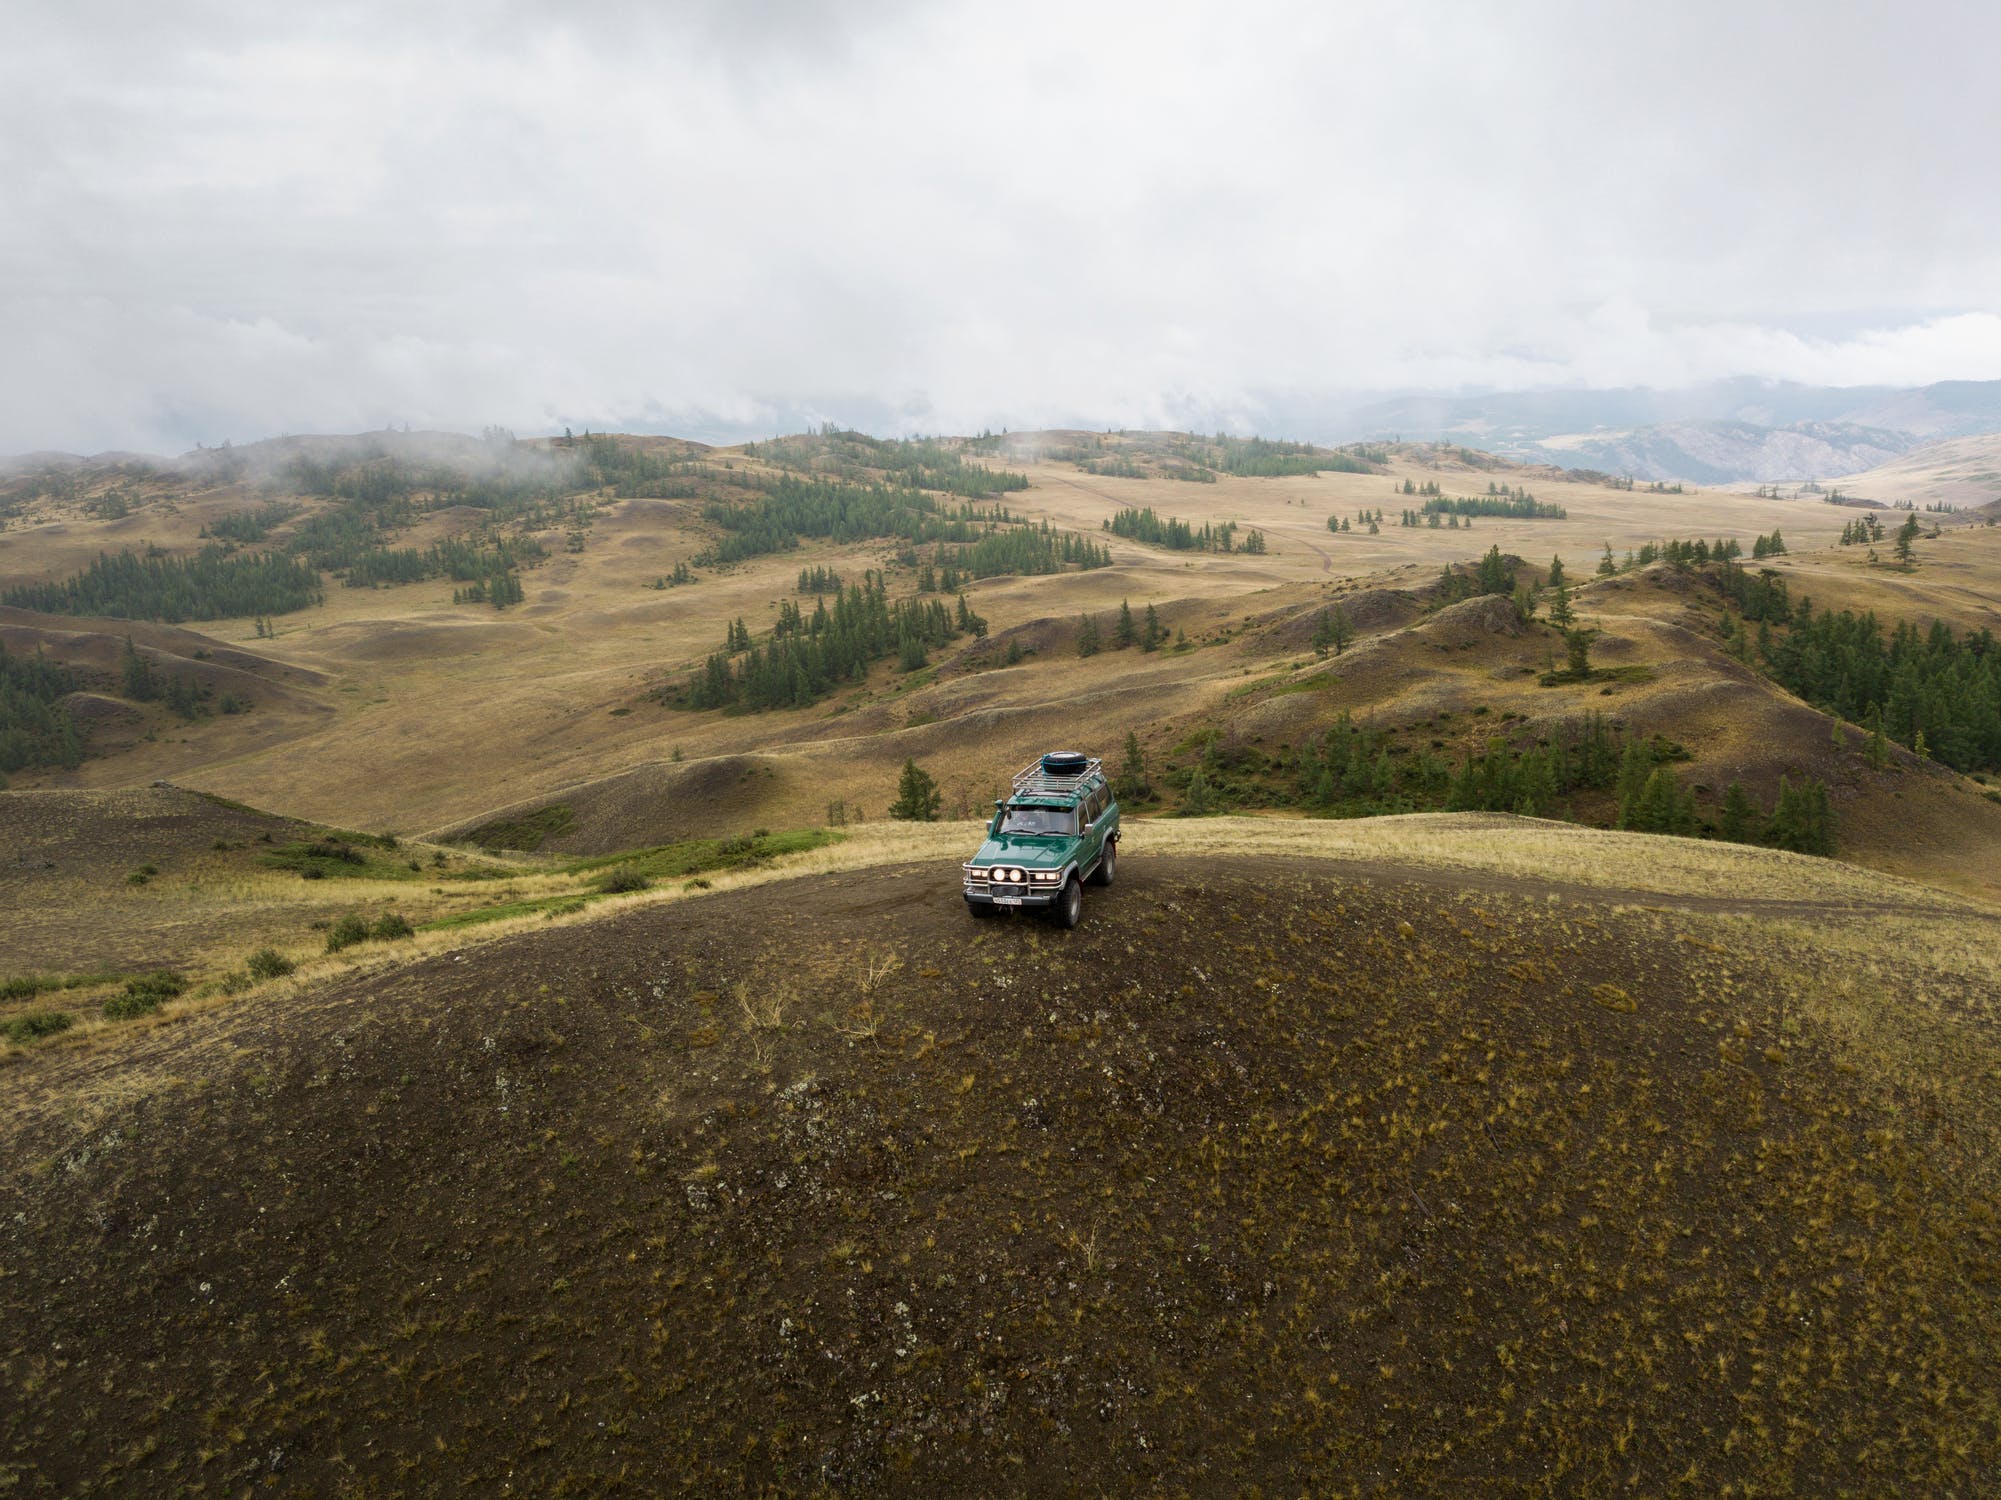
(1108, 865)
(1069, 908)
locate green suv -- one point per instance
(1057, 828)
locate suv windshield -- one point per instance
(1059, 820)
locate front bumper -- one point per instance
(1012, 897)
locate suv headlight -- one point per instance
(1049, 876)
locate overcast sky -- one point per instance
(230, 219)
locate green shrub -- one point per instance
(345, 933)
(392, 926)
(269, 963)
(527, 832)
(144, 995)
(36, 1024)
(27, 986)
(618, 881)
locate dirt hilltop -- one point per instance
(1279, 1173)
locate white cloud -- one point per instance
(224, 220)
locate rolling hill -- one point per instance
(1732, 431)
(1417, 1152)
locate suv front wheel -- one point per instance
(1069, 908)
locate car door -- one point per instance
(1093, 842)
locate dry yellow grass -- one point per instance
(444, 711)
(435, 716)
(1964, 472)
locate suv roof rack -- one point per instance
(1035, 781)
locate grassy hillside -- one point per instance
(392, 708)
(1962, 472)
(1323, 1156)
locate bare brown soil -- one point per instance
(1275, 1176)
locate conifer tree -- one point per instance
(1661, 806)
(963, 617)
(1342, 628)
(137, 672)
(1088, 641)
(1906, 534)
(1323, 632)
(1131, 782)
(1495, 576)
(917, 796)
(1577, 643)
(1877, 753)
(1740, 818)
(1634, 768)
(1802, 821)
(1560, 614)
(1122, 632)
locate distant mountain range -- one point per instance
(1727, 431)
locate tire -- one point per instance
(981, 911)
(1069, 908)
(1108, 865)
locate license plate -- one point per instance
(1007, 901)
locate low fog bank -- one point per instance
(282, 462)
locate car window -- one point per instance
(1039, 820)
